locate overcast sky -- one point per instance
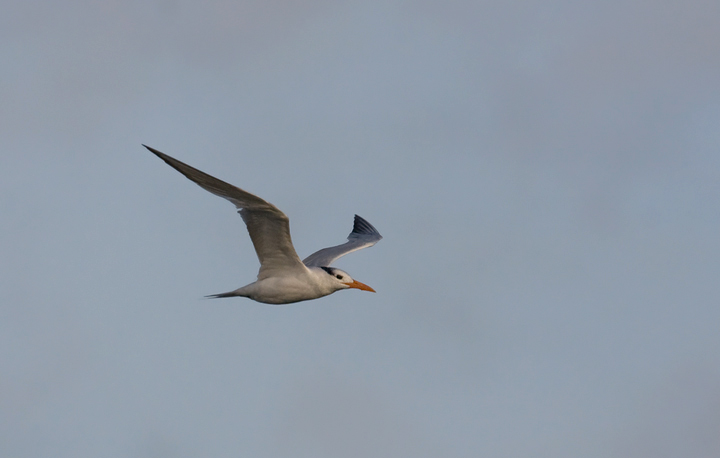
(546, 176)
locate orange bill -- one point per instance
(362, 286)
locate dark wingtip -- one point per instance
(171, 161)
(362, 226)
(153, 150)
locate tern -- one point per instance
(283, 278)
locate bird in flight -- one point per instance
(283, 278)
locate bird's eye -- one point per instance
(339, 277)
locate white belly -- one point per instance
(283, 290)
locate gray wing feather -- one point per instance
(269, 228)
(362, 236)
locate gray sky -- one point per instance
(545, 175)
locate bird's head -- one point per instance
(342, 280)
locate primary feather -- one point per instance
(362, 236)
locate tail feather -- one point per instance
(221, 295)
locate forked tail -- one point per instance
(228, 294)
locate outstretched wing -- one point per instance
(269, 228)
(362, 236)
